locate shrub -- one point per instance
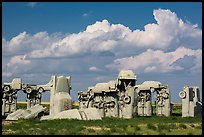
(151, 126)
(183, 126)
(137, 128)
(162, 133)
(190, 133)
(172, 126)
(163, 127)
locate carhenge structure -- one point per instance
(191, 105)
(162, 98)
(60, 101)
(121, 98)
(59, 88)
(115, 98)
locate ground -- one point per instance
(154, 125)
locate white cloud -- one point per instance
(169, 33)
(32, 4)
(114, 44)
(16, 64)
(25, 43)
(93, 68)
(169, 46)
(18, 60)
(101, 79)
(157, 61)
(87, 14)
(7, 74)
(99, 26)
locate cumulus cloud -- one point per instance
(168, 33)
(107, 46)
(17, 60)
(168, 46)
(25, 43)
(17, 64)
(158, 61)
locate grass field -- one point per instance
(154, 125)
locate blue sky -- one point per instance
(92, 41)
(67, 17)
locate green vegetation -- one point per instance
(151, 126)
(114, 126)
(154, 125)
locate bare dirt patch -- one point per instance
(5, 122)
(97, 128)
(6, 132)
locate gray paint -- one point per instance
(116, 98)
(26, 114)
(191, 105)
(121, 98)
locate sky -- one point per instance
(93, 41)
